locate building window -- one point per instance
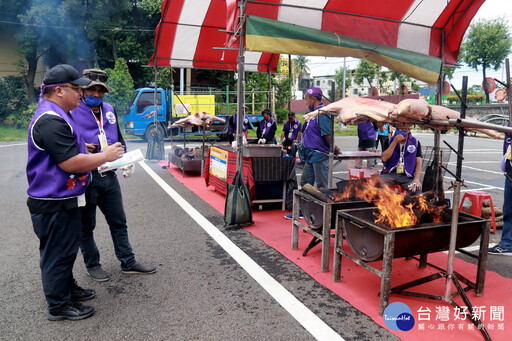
(317, 83)
(354, 92)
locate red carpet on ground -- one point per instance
(358, 286)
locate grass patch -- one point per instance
(13, 134)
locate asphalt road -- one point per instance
(201, 291)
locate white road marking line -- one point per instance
(12, 145)
(312, 323)
(472, 248)
(483, 186)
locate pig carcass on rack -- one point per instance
(350, 109)
(409, 112)
(201, 119)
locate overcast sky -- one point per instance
(490, 9)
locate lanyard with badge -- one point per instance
(102, 137)
(400, 167)
(292, 126)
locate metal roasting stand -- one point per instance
(452, 277)
(449, 274)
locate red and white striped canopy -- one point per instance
(190, 30)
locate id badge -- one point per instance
(103, 140)
(509, 154)
(400, 168)
(290, 135)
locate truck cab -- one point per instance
(140, 120)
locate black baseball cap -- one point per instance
(64, 73)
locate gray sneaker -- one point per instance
(98, 274)
(498, 250)
(140, 269)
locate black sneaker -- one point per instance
(498, 250)
(79, 294)
(98, 274)
(71, 311)
(140, 269)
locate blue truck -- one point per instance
(140, 120)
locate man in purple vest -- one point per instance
(266, 129)
(291, 134)
(98, 123)
(58, 174)
(316, 145)
(402, 162)
(232, 125)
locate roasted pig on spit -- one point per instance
(199, 119)
(409, 112)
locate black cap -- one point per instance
(64, 73)
(266, 111)
(291, 114)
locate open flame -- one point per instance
(395, 209)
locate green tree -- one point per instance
(486, 44)
(283, 95)
(13, 100)
(58, 40)
(366, 70)
(121, 82)
(400, 78)
(383, 78)
(338, 79)
(300, 67)
(254, 83)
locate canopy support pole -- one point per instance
(240, 92)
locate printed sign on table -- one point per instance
(219, 163)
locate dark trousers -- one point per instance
(384, 142)
(59, 236)
(104, 192)
(293, 150)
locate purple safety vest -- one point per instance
(313, 136)
(90, 126)
(365, 130)
(232, 129)
(265, 127)
(294, 128)
(46, 180)
(410, 150)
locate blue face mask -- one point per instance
(93, 101)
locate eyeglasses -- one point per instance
(95, 77)
(75, 88)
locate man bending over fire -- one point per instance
(402, 162)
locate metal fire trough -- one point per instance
(371, 242)
(320, 217)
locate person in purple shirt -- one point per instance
(316, 145)
(58, 173)
(402, 162)
(291, 134)
(266, 129)
(99, 126)
(232, 125)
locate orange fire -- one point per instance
(392, 210)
